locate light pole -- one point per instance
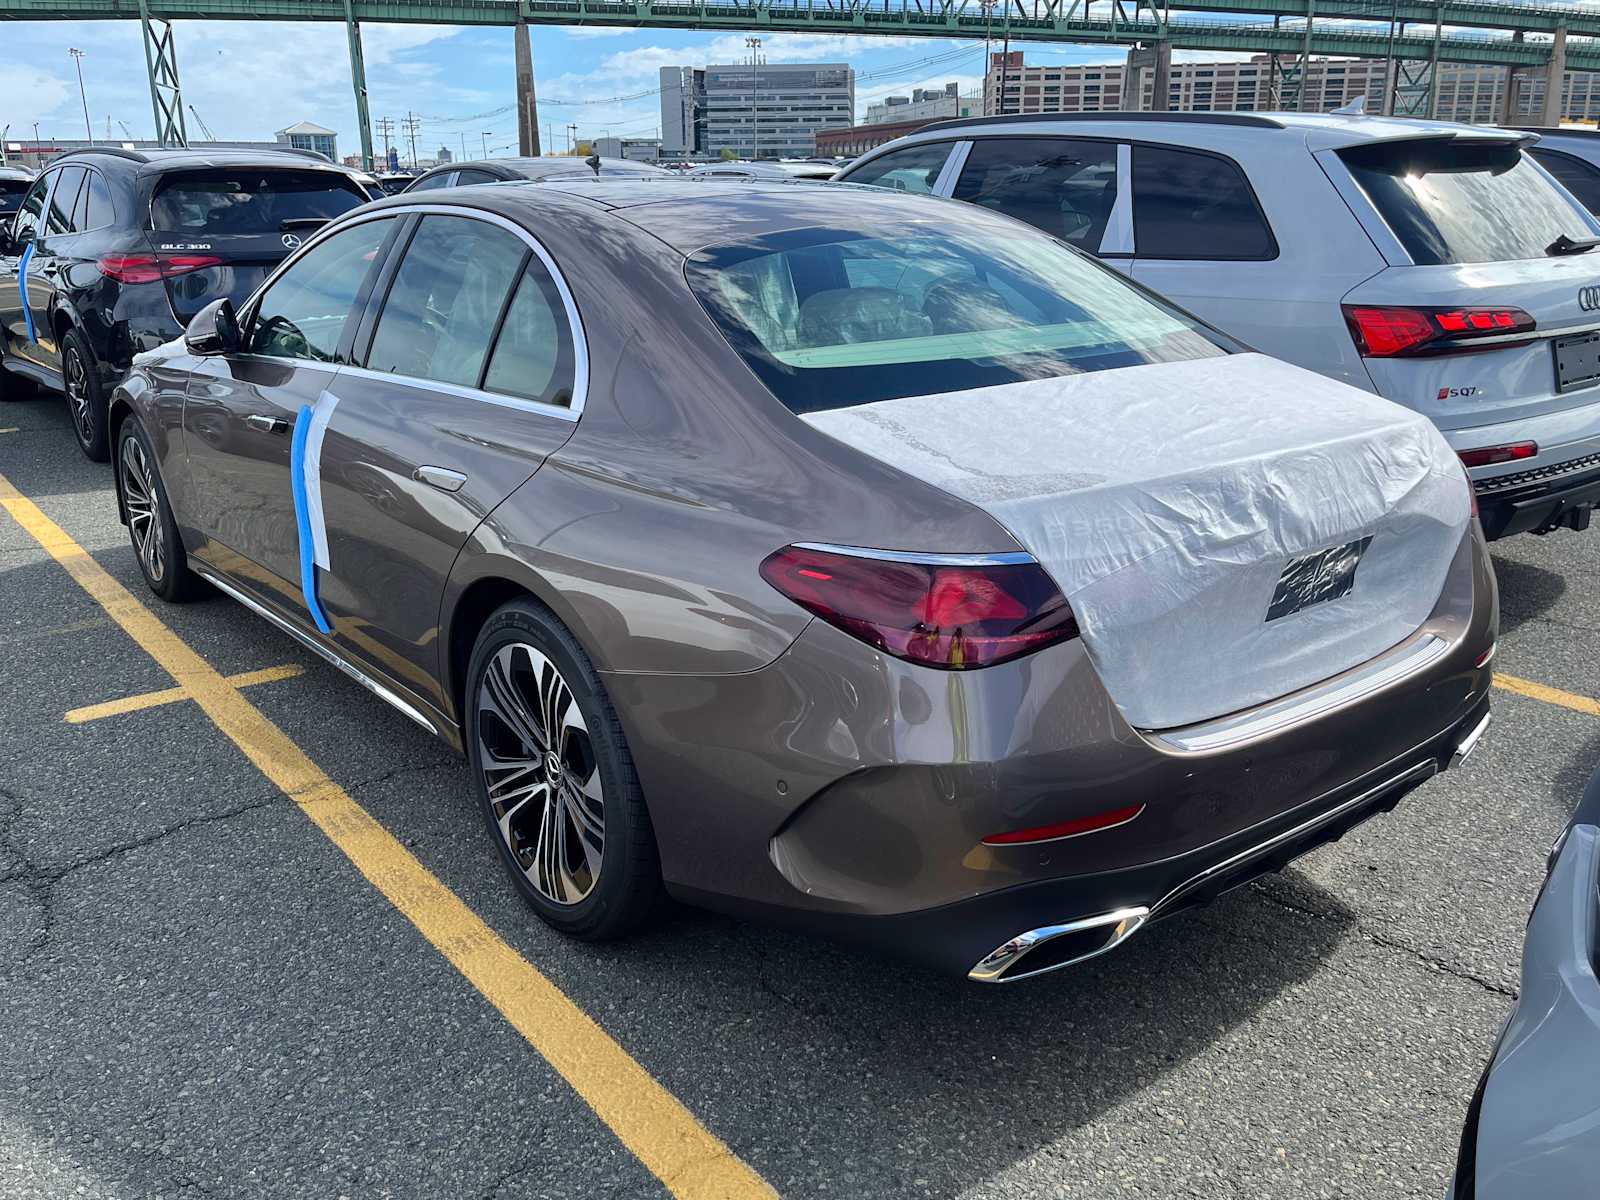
(754, 46)
(486, 143)
(77, 57)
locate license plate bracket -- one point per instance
(1577, 361)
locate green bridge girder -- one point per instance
(1033, 20)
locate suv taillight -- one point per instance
(148, 268)
(1388, 332)
(939, 613)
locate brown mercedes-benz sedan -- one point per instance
(851, 558)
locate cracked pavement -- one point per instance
(200, 997)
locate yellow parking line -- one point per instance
(1550, 695)
(649, 1120)
(128, 704)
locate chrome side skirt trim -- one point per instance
(1128, 921)
(316, 647)
(1468, 744)
(1388, 668)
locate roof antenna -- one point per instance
(594, 161)
(1356, 108)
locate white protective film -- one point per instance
(321, 414)
(1166, 501)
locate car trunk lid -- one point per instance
(221, 231)
(1226, 530)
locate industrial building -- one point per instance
(925, 104)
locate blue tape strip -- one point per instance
(302, 517)
(22, 284)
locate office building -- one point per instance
(763, 110)
(306, 136)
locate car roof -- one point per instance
(689, 214)
(155, 161)
(1318, 130)
(10, 172)
(545, 168)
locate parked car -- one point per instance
(1531, 1129)
(769, 169)
(825, 554)
(14, 184)
(1572, 156)
(392, 184)
(113, 251)
(491, 170)
(1430, 262)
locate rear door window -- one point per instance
(463, 178)
(1196, 206)
(1580, 178)
(303, 314)
(914, 169)
(93, 210)
(433, 181)
(250, 201)
(446, 300)
(1449, 201)
(62, 201)
(533, 356)
(1063, 186)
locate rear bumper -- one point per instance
(1540, 500)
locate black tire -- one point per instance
(86, 398)
(624, 890)
(151, 527)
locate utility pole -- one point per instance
(527, 101)
(754, 46)
(386, 127)
(486, 143)
(572, 138)
(463, 147)
(77, 57)
(412, 123)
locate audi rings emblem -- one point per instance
(1589, 298)
(292, 242)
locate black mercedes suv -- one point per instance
(112, 251)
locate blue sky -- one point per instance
(248, 79)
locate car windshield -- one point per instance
(1454, 202)
(244, 201)
(830, 319)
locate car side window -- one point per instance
(465, 177)
(1198, 206)
(30, 217)
(303, 314)
(442, 179)
(93, 210)
(62, 201)
(1580, 178)
(446, 299)
(1063, 186)
(914, 169)
(533, 355)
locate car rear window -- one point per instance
(249, 201)
(831, 318)
(1454, 202)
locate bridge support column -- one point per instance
(1156, 58)
(1555, 76)
(527, 101)
(1508, 101)
(358, 80)
(161, 64)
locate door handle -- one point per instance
(442, 478)
(267, 424)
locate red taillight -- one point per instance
(1066, 829)
(1386, 332)
(939, 612)
(1488, 456)
(148, 268)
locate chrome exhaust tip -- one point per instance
(1051, 947)
(1468, 744)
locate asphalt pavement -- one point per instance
(201, 995)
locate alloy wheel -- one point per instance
(76, 377)
(540, 773)
(143, 505)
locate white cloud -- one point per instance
(585, 32)
(26, 92)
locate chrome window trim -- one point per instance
(1001, 559)
(580, 341)
(317, 647)
(1386, 669)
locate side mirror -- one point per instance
(214, 330)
